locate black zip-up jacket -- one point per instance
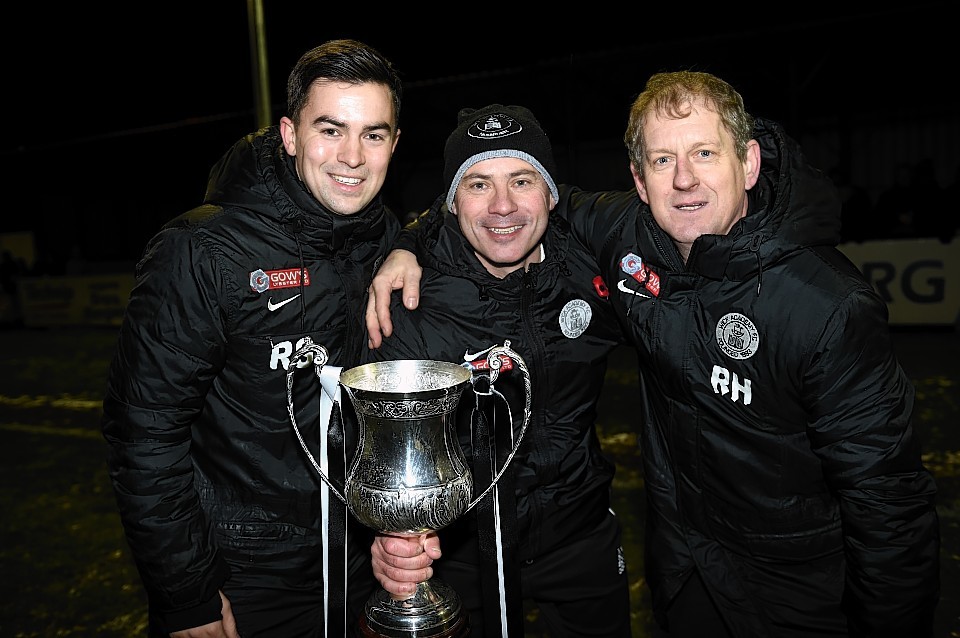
(556, 316)
(202, 453)
(780, 461)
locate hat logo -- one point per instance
(494, 126)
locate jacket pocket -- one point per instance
(807, 532)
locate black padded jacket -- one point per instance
(202, 454)
(779, 456)
(557, 317)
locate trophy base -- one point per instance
(433, 611)
(460, 630)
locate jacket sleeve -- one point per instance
(861, 402)
(170, 348)
(596, 217)
(414, 235)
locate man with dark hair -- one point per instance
(232, 531)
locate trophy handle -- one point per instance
(309, 353)
(495, 363)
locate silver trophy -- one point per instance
(408, 474)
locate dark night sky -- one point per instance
(113, 117)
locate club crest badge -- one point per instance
(737, 336)
(575, 317)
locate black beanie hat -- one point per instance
(496, 131)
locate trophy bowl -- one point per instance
(408, 475)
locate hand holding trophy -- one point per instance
(408, 474)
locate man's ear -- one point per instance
(396, 138)
(751, 164)
(288, 133)
(639, 183)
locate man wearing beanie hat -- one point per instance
(496, 131)
(498, 268)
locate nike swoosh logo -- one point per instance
(472, 357)
(273, 306)
(621, 285)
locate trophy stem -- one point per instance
(433, 611)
